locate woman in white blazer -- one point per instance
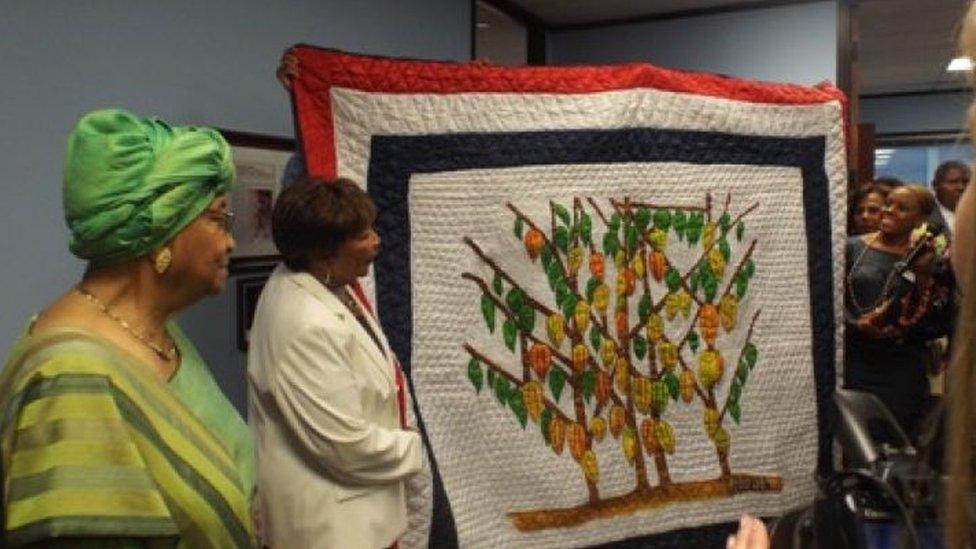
(326, 396)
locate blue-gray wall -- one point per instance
(793, 43)
(206, 62)
(916, 113)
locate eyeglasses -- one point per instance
(225, 218)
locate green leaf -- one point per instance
(491, 378)
(527, 318)
(725, 222)
(544, 420)
(679, 221)
(589, 384)
(546, 255)
(610, 244)
(591, 286)
(662, 220)
(751, 354)
(633, 236)
(562, 214)
(586, 228)
(693, 341)
(723, 248)
(519, 228)
(569, 305)
(562, 291)
(501, 390)
(674, 386)
(673, 279)
(475, 374)
(509, 331)
(749, 268)
(557, 380)
(596, 338)
(643, 218)
(742, 371)
(734, 411)
(517, 405)
(614, 223)
(497, 284)
(561, 238)
(693, 234)
(693, 281)
(710, 287)
(741, 285)
(644, 307)
(514, 300)
(488, 312)
(554, 274)
(639, 345)
(740, 230)
(735, 391)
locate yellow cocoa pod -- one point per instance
(708, 235)
(716, 261)
(590, 468)
(628, 443)
(532, 396)
(557, 434)
(684, 303)
(710, 422)
(580, 355)
(672, 304)
(601, 297)
(728, 309)
(621, 375)
(665, 436)
(687, 385)
(648, 436)
(659, 396)
(722, 441)
(619, 259)
(667, 353)
(710, 368)
(658, 239)
(598, 429)
(581, 316)
(637, 265)
(618, 419)
(574, 260)
(608, 352)
(577, 440)
(556, 329)
(655, 328)
(641, 394)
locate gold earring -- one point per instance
(163, 258)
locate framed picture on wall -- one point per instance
(248, 290)
(260, 162)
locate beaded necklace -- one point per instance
(167, 355)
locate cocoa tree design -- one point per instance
(622, 378)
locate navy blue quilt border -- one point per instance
(393, 159)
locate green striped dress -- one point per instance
(98, 451)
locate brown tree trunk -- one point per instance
(723, 461)
(580, 409)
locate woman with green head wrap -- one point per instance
(113, 430)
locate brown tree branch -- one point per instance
(752, 325)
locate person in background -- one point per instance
(950, 180)
(865, 210)
(328, 403)
(116, 433)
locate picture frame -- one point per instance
(248, 290)
(260, 162)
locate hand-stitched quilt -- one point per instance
(616, 291)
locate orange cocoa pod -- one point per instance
(658, 265)
(618, 418)
(540, 358)
(598, 429)
(534, 240)
(623, 323)
(649, 437)
(597, 265)
(557, 434)
(577, 440)
(603, 387)
(621, 375)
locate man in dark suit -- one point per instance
(951, 178)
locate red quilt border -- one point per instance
(320, 69)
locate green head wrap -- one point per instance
(131, 184)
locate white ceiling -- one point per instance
(904, 45)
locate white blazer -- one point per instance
(322, 401)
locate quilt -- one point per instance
(616, 291)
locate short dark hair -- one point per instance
(314, 217)
(943, 170)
